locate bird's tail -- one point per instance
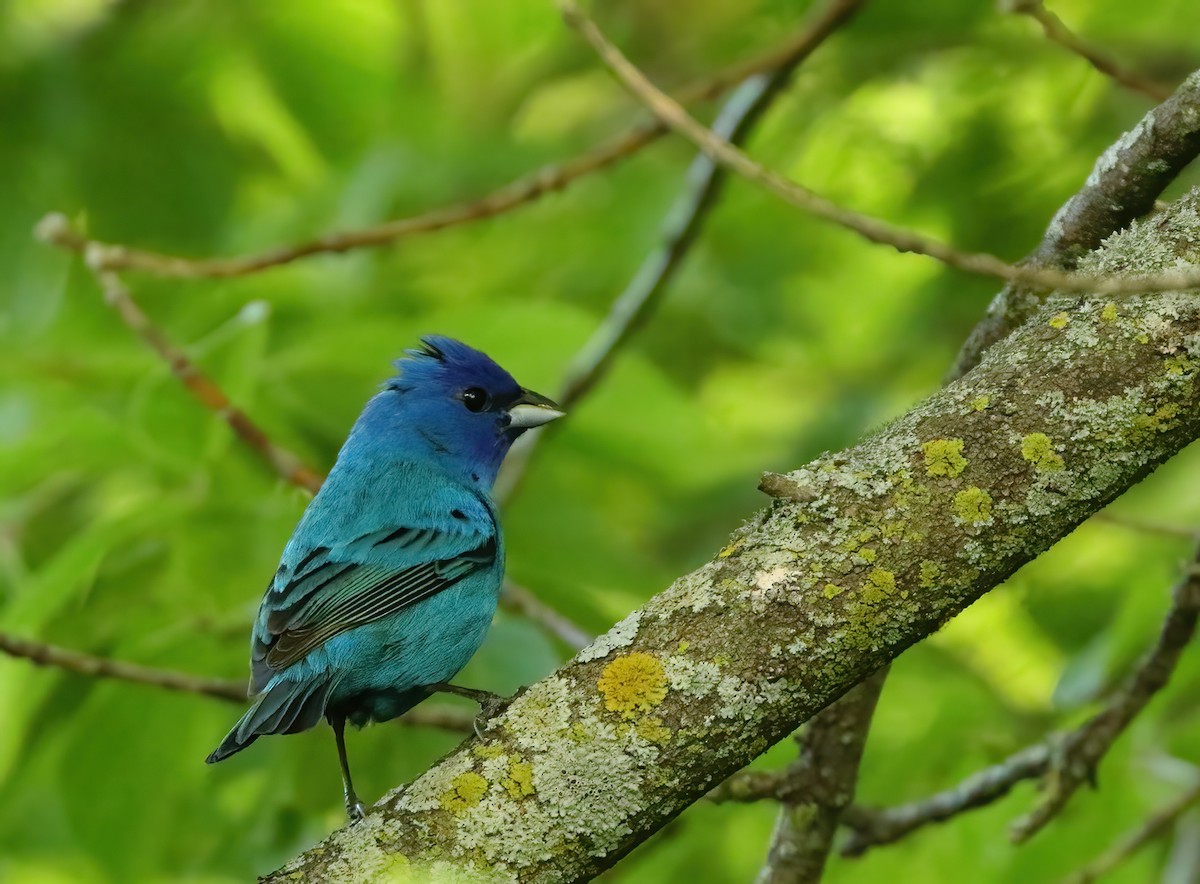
(284, 707)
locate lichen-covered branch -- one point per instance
(892, 537)
(1123, 185)
(870, 228)
(1063, 761)
(523, 191)
(1059, 33)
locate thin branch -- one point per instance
(519, 600)
(1076, 763)
(872, 827)
(1063, 762)
(517, 193)
(1166, 529)
(201, 386)
(1154, 827)
(1059, 33)
(79, 663)
(870, 228)
(681, 229)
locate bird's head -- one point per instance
(453, 405)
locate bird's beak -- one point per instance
(532, 410)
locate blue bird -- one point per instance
(390, 580)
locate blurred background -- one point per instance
(135, 525)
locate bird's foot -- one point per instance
(490, 704)
(355, 810)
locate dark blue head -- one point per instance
(453, 406)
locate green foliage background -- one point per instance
(133, 524)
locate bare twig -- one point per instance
(872, 827)
(1059, 33)
(80, 663)
(1063, 762)
(1183, 532)
(521, 192)
(870, 228)
(684, 220)
(201, 386)
(1080, 754)
(1155, 826)
(519, 600)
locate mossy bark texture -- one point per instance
(862, 553)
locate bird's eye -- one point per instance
(475, 399)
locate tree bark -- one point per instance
(863, 553)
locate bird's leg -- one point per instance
(354, 808)
(490, 704)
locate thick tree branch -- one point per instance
(43, 654)
(903, 531)
(681, 229)
(523, 191)
(870, 228)
(1059, 33)
(1062, 762)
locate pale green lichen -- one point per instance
(1038, 450)
(832, 590)
(931, 574)
(944, 457)
(633, 683)
(973, 505)
(620, 636)
(980, 403)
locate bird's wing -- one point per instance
(336, 587)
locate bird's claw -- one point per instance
(356, 811)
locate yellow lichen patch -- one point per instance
(832, 590)
(730, 549)
(867, 554)
(943, 457)
(1177, 365)
(979, 403)
(633, 683)
(519, 782)
(1143, 338)
(652, 730)
(1059, 320)
(466, 790)
(880, 584)
(973, 505)
(1109, 313)
(1039, 451)
(1162, 420)
(491, 750)
(931, 574)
